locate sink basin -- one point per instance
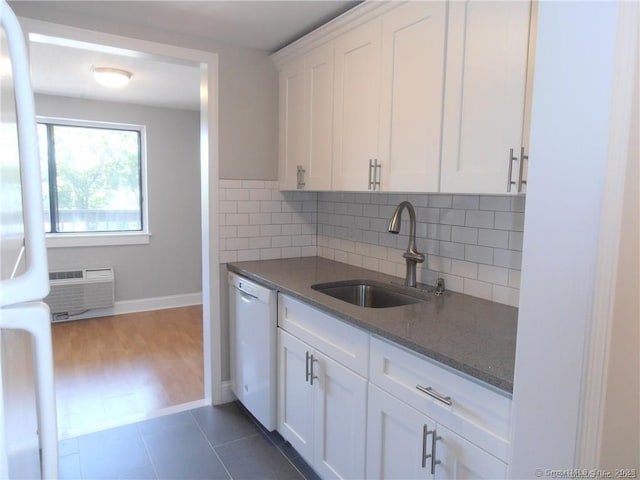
(368, 293)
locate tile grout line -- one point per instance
(146, 449)
(259, 425)
(213, 449)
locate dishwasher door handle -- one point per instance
(247, 297)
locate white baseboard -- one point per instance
(142, 305)
(226, 395)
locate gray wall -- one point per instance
(248, 90)
(171, 263)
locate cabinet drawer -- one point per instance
(343, 342)
(476, 413)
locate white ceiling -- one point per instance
(263, 25)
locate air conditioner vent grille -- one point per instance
(76, 291)
(65, 275)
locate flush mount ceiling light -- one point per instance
(111, 77)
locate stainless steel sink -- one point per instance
(369, 294)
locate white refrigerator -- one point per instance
(28, 433)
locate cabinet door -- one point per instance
(486, 73)
(396, 438)
(356, 106)
(291, 123)
(340, 400)
(295, 395)
(319, 77)
(459, 459)
(413, 51)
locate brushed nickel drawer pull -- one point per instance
(434, 394)
(425, 433)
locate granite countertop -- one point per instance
(468, 334)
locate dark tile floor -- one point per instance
(206, 443)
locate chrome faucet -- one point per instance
(412, 255)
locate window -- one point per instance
(92, 177)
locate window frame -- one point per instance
(88, 239)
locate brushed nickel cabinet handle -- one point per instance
(511, 160)
(307, 369)
(370, 174)
(523, 157)
(425, 433)
(300, 177)
(434, 462)
(311, 375)
(435, 394)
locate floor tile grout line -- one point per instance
(265, 433)
(213, 449)
(146, 449)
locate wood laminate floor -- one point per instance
(116, 370)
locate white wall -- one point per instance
(171, 263)
(248, 85)
(620, 443)
(570, 132)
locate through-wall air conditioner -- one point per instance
(74, 292)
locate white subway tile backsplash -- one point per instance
(491, 274)
(248, 231)
(474, 242)
(237, 194)
(237, 219)
(226, 184)
(248, 255)
(428, 215)
(260, 218)
(452, 217)
(479, 218)
(464, 269)
(269, 206)
(260, 242)
(464, 235)
(452, 250)
(515, 240)
(259, 194)
(493, 238)
(248, 184)
(248, 207)
(466, 202)
(510, 221)
(518, 203)
(228, 232)
(228, 207)
(478, 254)
(514, 279)
(506, 295)
(508, 258)
(499, 204)
(440, 201)
(477, 288)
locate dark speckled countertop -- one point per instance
(468, 334)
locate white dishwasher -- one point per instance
(253, 322)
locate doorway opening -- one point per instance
(151, 355)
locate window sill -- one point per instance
(65, 240)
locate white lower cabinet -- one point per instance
(456, 458)
(401, 445)
(357, 406)
(395, 440)
(321, 409)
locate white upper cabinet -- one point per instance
(419, 96)
(291, 148)
(356, 106)
(413, 56)
(486, 74)
(319, 118)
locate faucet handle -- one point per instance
(440, 286)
